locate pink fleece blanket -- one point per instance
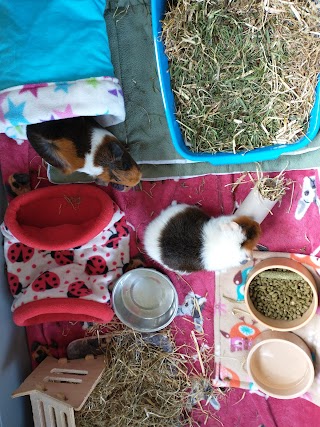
(293, 227)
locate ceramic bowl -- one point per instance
(280, 364)
(145, 300)
(288, 264)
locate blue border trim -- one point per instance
(256, 155)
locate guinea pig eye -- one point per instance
(115, 178)
(126, 166)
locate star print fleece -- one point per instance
(63, 246)
(36, 103)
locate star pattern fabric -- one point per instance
(36, 103)
(15, 113)
(33, 88)
(64, 86)
(93, 82)
(66, 113)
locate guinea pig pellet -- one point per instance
(280, 294)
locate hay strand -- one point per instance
(274, 188)
(243, 72)
(144, 385)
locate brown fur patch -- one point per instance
(251, 230)
(119, 167)
(67, 151)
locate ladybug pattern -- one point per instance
(14, 284)
(19, 252)
(113, 241)
(78, 289)
(83, 271)
(121, 227)
(120, 230)
(47, 280)
(63, 257)
(96, 265)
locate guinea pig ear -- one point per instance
(251, 230)
(116, 151)
(109, 152)
(227, 226)
(47, 149)
(234, 226)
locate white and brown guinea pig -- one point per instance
(81, 144)
(184, 239)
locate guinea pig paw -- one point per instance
(247, 256)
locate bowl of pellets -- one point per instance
(281, 294)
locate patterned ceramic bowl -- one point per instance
(280, 364)
(284, 264)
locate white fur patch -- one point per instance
(222, 239)
(96, 140)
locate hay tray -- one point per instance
(158, 8)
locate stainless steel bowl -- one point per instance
(145, 300)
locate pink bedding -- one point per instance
(293, 227)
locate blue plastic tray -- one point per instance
(257, 155)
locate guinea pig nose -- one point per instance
(119, 187)
(244, 261)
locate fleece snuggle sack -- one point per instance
(63, 246)
(52, 41)
(55, 64)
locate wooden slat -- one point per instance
(75, 394)
(38, 411)
(48, 412)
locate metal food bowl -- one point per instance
(145, 300)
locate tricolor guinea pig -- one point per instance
(185, 239)
(81, 144)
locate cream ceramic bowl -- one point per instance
(280, 364)
(288, 264)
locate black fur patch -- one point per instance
(113, 155)
(181, 240)
(76, 129)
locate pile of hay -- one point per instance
(270, 188)
(144, 385)
(243, 72)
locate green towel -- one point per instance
(145, 129)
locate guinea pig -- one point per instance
(81, 144)
(185, 239)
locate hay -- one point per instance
(143, 386)
(243, 72)
(272, 189)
